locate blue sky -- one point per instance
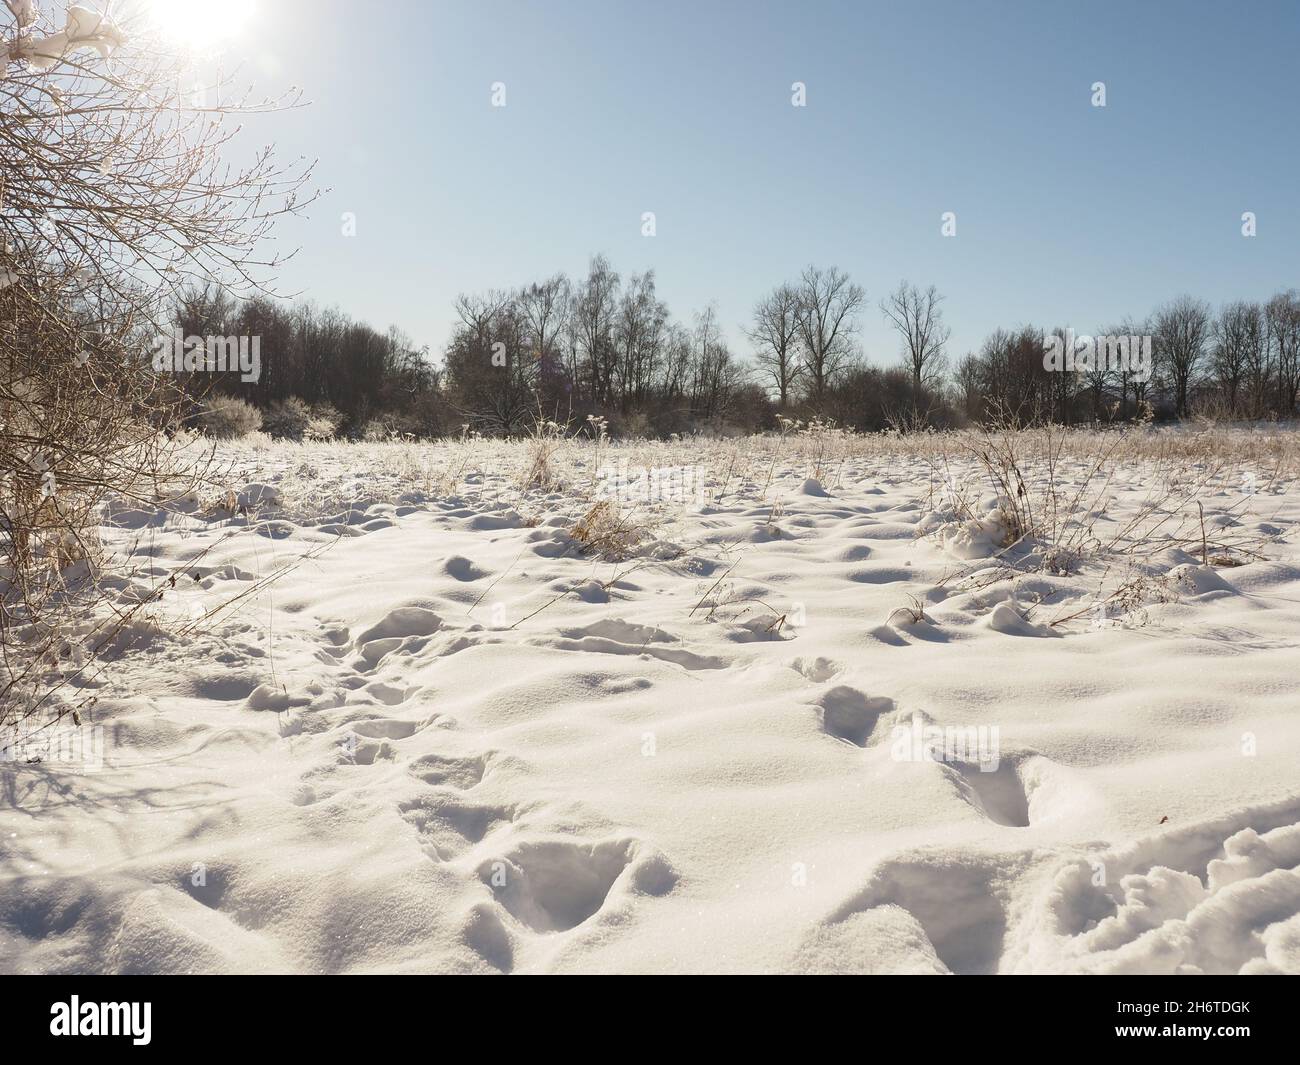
(1067, 214)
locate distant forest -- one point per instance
(606, 345)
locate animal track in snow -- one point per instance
(393, 630)
(449, 825)
(849, 715)
(618, 637)
(998, 793)
(366, 752)
(958, 903)
(553, 885)
(486, 934)
(1020, 788)
(387, 694)
(387, 728)
(461, 773)
(818, 670)
(462, 569)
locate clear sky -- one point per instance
(1067, 214)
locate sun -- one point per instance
(201, 22)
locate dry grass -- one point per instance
(1058, 489)
(746, 468)
(541, 448)
(606, 531)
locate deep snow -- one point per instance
(452, 740)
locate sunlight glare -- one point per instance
(201, 22)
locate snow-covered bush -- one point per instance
(288, 420)
(377, 429)
(391, 426)
(226, 417)
(323, 422)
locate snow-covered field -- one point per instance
(831, 718)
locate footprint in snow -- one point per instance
(553, 885)
(449, 825)
(818, 670)
(462, 773)
(849, 715)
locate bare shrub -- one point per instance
(606, 531)
(323, 422)
(389, 426)
(543, 444)
(1053, 488)
(287, 420)
(227, 417)
(115, 194)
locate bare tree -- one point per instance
(828, 304)
(1010, 377)
(1258, 370)
(774, 331)
(491, 376)
(714, 375)
(1238, 338)
(544, 307)
(918, 319)
(481, 316)
(594, 306)
(677, 348)
(969, 382)
(1061, 386)
(639, 330)
(1182, 331)
(1126, 375)
(114, 195)
(1282, 314)
(1103, 373)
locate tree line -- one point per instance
(319, 356)
(562, 348)
(1239, 362)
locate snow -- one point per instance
(24, 11)
(1176, 912)
(448, 738)
(83, 30)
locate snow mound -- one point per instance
(259, 495)
(970, 539)
(1200, 580)
(1007, 619)
(402, 622)
(1213, 898)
